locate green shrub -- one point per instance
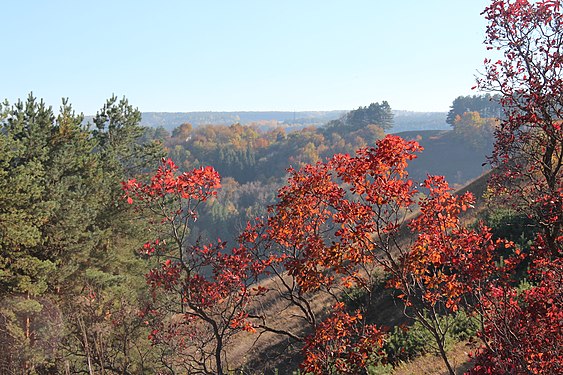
(406, 343)
(515, 227)
(463, 327)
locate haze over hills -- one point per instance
(403, 121)
(171, 120)
(409, 120)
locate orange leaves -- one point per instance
(448, 260)
(199, 183)
(328, 212)
(379, 174)
(342, 344)
(337, 215)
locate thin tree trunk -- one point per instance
(445, 357)
(218, 350)
(27, 334)
(86, 346)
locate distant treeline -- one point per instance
(487, 106)
(170, 120)
(403, 120)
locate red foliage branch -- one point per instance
(338, 221)
(201, 292)
(449, 261)
(524, 328)
(529, 143)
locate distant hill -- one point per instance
(403, 121)
(171, 120)
(407, 121)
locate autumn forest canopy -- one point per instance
(339, 248)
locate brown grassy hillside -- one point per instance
(447, 154)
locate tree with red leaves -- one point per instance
(523, 330)
(327, 236)
(529, 78)
(200, 292)
(449, 266)
(339, 222)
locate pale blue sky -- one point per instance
(179, 56)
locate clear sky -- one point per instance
(230, 55)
